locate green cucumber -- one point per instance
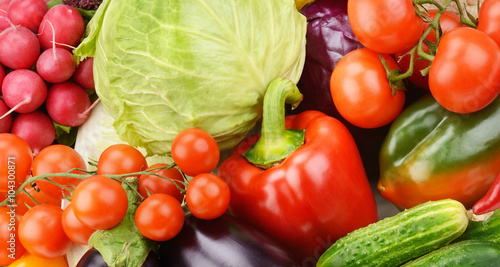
(400, 238)
(462, 253)
(485, 227)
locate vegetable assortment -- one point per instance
(246, 133)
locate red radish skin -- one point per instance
(27, 13)
(4, 21)
(2, 74)
(36, 128)
(63, 23)
(84, 74)
(23, 90)
(56, 65)
(5, 122)
(20, 48)
(68, 104)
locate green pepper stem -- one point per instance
(276, 142)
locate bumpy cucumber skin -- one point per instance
(400, 238)
(489, 229)
(461, 253)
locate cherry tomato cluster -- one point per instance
(99, 199)
(45, 93)
(455, 57)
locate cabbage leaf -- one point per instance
(164, 66)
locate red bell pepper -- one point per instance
(305, 187)
(490, 201)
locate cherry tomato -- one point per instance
(448, 21)
(153, 184)
(419, 64)
(195, 151)
(207, 196)
(74, 229)
(23, 200)
(99, 202)
(10, 246)
(34, 261)
(360, 89)
(489, 19)
(385, 26)
(58, 159)
(160, 217)
(41, 232)
(121, 159)
(16, 158)
(465, 74)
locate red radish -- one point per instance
(4, 21)
(23, 90)
(2, 74)
(84, 74)
(68, 104)
(56, 65)
(36, 128)
(5, 122)
(63, 23)
(19, 47)
(27, 13)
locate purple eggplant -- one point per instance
(225, 241)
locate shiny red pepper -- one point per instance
(490, 201)
(306, 187)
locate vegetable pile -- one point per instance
(249, 133)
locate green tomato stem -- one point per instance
(276, 142)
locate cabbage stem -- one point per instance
(276, 142)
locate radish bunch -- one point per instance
(42, 88)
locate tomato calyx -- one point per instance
(276, 142)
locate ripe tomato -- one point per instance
(10, 246)
(74, 229)
(153, 184)
(34, 261)
(23, 200)
(99, 202)
(207, 196)
(195, 151)
(57, 159)
(160, 217)
(16, 158)
(418, 64)
(360, 89)
(121, 159)
(465, 74)
(489, 19)
(41, 232)
(448, 21)
(385, 26)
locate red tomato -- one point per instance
(207, 196)
(153, 184)
(74, 229)
(57, 159)
(41, 232)
(385, 26)
(10, 247)
(465, 74)
(418, 64)
(360, 89)
(160, 217)
(34, 261)
(16, 158)
(195, 151)
(23, 200)
(448, 21)
(99, 202)
(121, 159)
(489, 19)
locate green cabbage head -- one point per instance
(162, 66)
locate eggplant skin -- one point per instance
(225, 241)
(93, 258)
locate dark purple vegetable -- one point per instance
(225, 241)
(93, 258)
(83, 4)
